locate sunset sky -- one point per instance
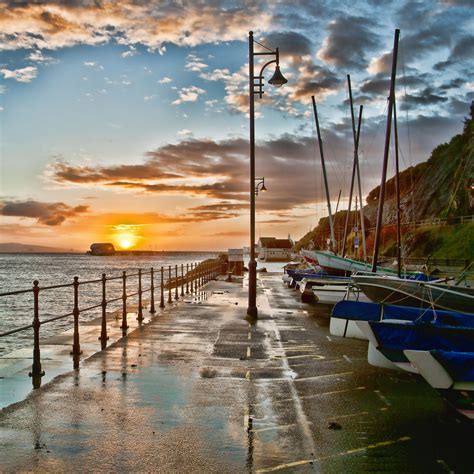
(126, 121)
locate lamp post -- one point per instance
(260, 186)
(256, 87)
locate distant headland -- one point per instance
(13, 247)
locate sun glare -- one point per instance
(125, 243)
(126, 236)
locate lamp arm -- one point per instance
(265, 65)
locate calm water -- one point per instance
(17, 272)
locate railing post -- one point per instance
(176, 296)
(196, 275)
(124, 326)
(182, 279)
(140, 310)
(187, 278)
(152, 291)
(103, 332)
(76, 347)
(162, 288)
(170, 300)
(36, 372)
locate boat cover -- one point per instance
(356, 311)
(459, 365)
(363, 311)
(423, 336)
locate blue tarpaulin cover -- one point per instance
(423, 336)
(356, 310)
(362, 311)
(459, 365)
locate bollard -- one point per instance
(162, 289)
(170, 300)
(182, 280)
(152, 292)
(187, 278)
(103, 332)
(76, 348)
(140, 311)
(176, 282)
(124, 326)
(36, 372)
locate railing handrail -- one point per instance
(197, 274)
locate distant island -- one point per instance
(13, 247)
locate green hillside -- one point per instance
(441, 187)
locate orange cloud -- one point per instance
(46, 213)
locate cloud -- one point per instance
(62, 172)
(349, 41)
(219, 169)
(184, 132)
(132, 51)
(165, 80)
(292, 45)
(188, 94)
(194, 63)
(93, 64)
(54, 25)
(26, 74)
(51, 214)
(38, 57)
(463, 50)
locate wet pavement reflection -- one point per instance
(201, 389)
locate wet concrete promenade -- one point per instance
(199, 389)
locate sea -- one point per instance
(18, 271)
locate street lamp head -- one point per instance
(263, 188)
(278, 79)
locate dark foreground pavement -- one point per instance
(199, 389)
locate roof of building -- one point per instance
(273, 243)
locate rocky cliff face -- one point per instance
(441, 187)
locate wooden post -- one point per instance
(182, 279)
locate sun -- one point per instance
(125, 242)
(126, 236)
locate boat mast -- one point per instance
(378, 228)
(397, 185)
(320, 141)
(355, 169)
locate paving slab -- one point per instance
(201, 389)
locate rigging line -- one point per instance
(408, 133)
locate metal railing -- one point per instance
(183, 282)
